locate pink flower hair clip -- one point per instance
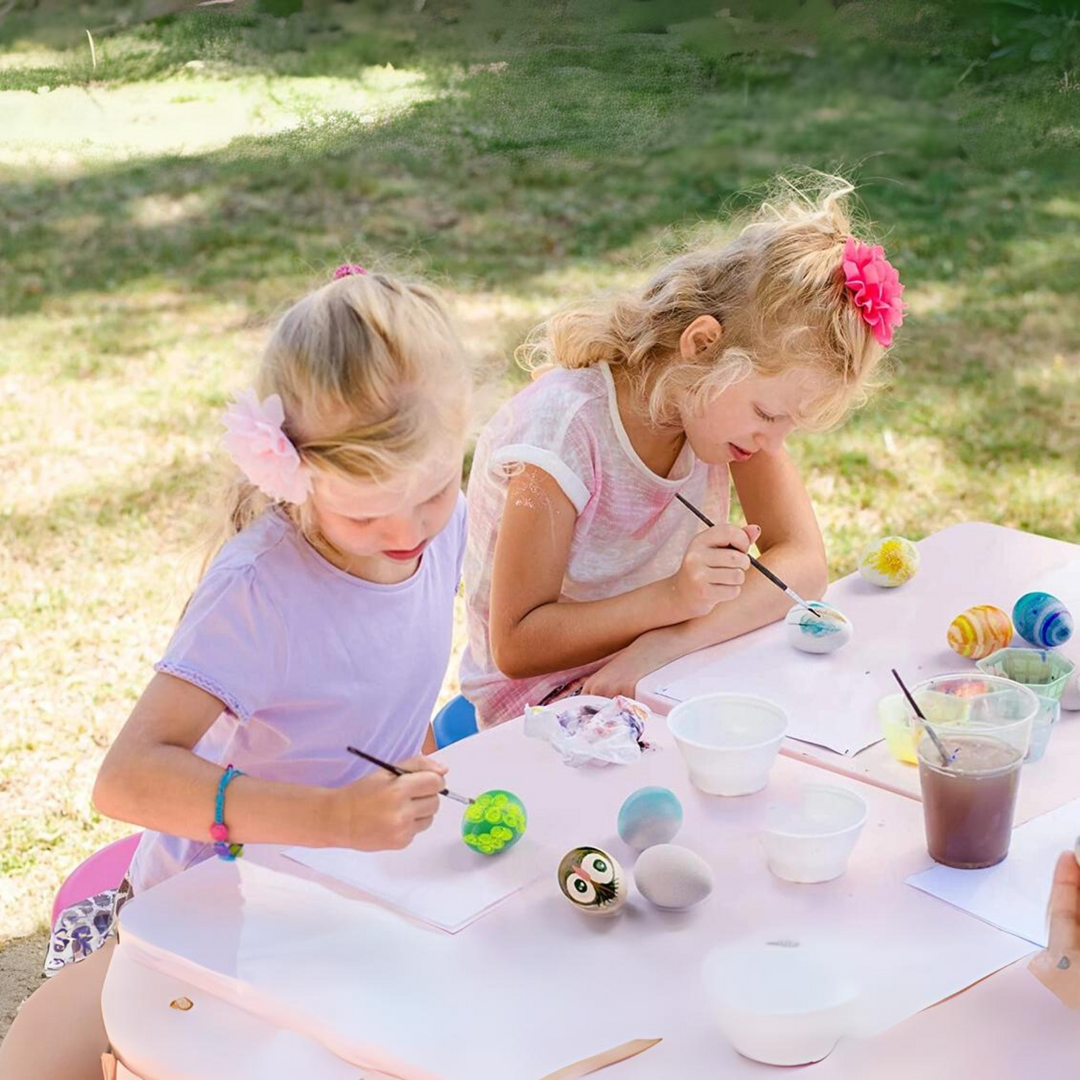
(875, 288)
(348, 269)
(263, 452)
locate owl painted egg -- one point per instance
(823, 633)
(1043, 620)
(651, 815)
(889, 562)
(592, 881)
(979, 631)
(494, 822)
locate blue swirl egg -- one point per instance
(651, 815)
(1043, 620)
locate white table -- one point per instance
(303, 975)
(962, 565)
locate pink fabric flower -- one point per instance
(875, 288)
(347, 269)
(262, 450)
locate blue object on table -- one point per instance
(454, 721)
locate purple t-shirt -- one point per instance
(307, 660)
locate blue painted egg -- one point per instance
(651, 815)
(824, 632)
(1043, 620)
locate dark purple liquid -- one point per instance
(969, 806)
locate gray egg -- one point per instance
(673, 877)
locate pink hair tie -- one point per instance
(264, 453)
(875, 288)
(348, 269)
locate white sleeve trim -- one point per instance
(572, 485)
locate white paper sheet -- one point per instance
(832, 700)
(1012, 895)
(1062, 582)
(437, 879)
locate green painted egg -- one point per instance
(495, 822)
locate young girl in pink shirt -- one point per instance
(582, 569)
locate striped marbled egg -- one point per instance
(1043, 620)
(979, 631)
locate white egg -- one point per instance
(673, 877)
(814, 634)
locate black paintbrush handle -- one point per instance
(404, 772)
(753, 562)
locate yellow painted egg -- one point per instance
(979, 631)
(889, 562)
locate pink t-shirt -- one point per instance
(630, 529)
(307, 660)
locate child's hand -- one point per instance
(1058, 968)
(713, 569)
(384, 812)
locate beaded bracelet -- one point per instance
(219, 831)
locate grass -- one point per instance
(159, 209)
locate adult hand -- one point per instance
(1058, 967)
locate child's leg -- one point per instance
(59, 1034)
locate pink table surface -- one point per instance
(534, 985)
(993, 565)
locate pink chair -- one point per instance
(105, 869)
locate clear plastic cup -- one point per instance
(728, 741)
(985, 724)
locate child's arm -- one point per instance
(534, 632)
(772, 493)
(151, 778)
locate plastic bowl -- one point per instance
(777, 1002)
(811, 838)
(728, 741)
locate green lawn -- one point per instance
(159, 208)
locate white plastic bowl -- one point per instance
(728, 741)
(778, 1002)
(811, 839)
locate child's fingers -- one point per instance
(420, 784)
(753, 532)
(726, 536)
(727, 558)
(420, 763)
(426, 807)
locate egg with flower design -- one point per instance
(889, 562)
(494, 822)
(592, 881)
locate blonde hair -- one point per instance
(374, 382)
(778, 291)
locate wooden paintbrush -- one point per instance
(404, 772)
(761, 567)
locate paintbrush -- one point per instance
(945, 756)
(404, 772)
(761, 567)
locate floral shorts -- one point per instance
(84, 927)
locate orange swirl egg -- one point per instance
(979, 631)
